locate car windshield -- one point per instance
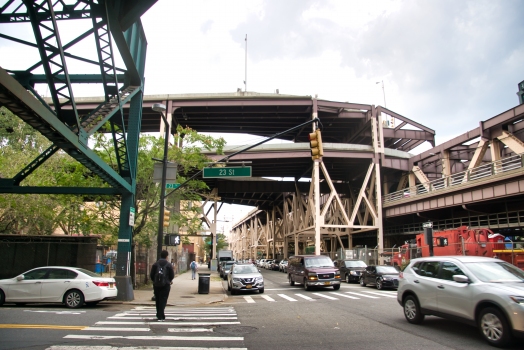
(321, 261)
(496, 272)
(244, 269)
(355, 263)
(387, 269)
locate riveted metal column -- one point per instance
(316, 188)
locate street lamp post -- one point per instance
(160, 108)
(383, 91)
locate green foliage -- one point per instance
(42, 214)
(221, 243)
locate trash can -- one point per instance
(203, 283)
(98, 268)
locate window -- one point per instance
(427, 269)
(35, 274)
(61, 274)
(449, 270)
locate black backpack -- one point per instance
(161, 277)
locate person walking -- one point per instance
(194, 268)
(162, 275)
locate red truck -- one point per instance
(461, 241)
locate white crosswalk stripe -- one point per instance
(286, 297)
(186, 326)
(371, 294)
(325, 296)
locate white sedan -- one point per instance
(71, 286)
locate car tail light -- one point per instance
(101, 284)
(401, 274)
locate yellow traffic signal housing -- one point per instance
(166, 217)
(315, 142)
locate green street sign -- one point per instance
(235, 171)
(172, 186)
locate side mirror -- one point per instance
(461, 279)
(20, 278)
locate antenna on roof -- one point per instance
(245, 73)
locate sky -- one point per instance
(445, 64)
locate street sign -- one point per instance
(172, 186)
(234, 171)
(427, 224)
(131, 216)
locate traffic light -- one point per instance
(166, 217)
(442, 242)
(315, 142)
(171, 240)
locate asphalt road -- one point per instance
(345, 323)
(283, 317)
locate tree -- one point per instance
(221, 243)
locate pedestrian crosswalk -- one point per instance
(314, 296)
(202, 328)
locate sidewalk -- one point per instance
(184, 290)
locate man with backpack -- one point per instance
(194, 268)
(162, 275)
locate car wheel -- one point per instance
(306, 287)
(261, 290)
(291, 282)
(2, 298)
(379, 284)
(412, 310)
(233, 291)
(362, 283)
(74, 299)
(494, 327)
(336, 287)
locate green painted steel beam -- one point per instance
(23, 76)
(17, 99)
(58, 190)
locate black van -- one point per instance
(313, 271)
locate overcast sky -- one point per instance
(446, 64)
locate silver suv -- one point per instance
(481, 291)
(245, 277)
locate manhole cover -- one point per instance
(235, 330)
(187, 296)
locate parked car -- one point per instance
(245, 277)
(226, 267)
(268, 263)
(282, 267)
(274, 265)
(313, 271)
(71, 286)
(481, 291)
(351, 269)
(261, 263)
(381, 276)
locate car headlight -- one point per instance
(353, 273)
(517, 299)
(385, 278)
(236, 279)
(312, 277)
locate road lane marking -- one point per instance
(43, 326)
(108, 347)
(249, 299)
(171, 318)
(58, 312)
(286, 297)
(383, 294)
(325, 296)
(189, 330)
(117, 329)
(122, 322)
(363, 295)
(305, 297)
(153, 337)
(344, 295)
(268, 298)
